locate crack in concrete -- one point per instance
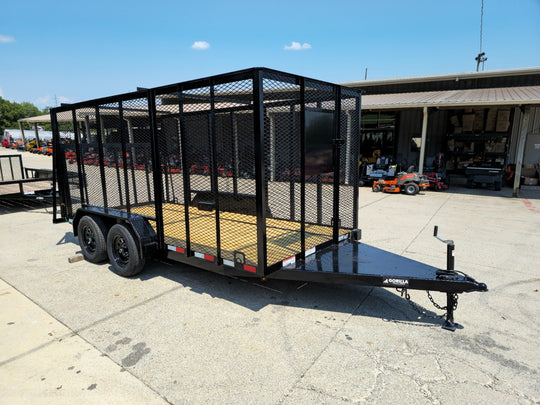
(426, 224)
(332, 340)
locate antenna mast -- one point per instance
(481, 58)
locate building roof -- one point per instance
(448, 76)
(506, 96)
(510, 96)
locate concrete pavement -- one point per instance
(42, 361)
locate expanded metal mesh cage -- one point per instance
(245, 170)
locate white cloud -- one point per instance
(297, 46)
(200, 45)
(48, 101)
(43, 100)
(6, 39)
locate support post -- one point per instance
(347, 175)
(521, 149)
(272, 120)
(87, 128)
(101, 154)
(37, 135)
(423, 142)
(260, 186)
(21, 127)
(156, 169)
(235, 154)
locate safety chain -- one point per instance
(404, 293)
(445, 307)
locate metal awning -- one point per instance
(509, 96)
(36, 119)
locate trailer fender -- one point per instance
(143, 231)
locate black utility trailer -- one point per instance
(252, 174)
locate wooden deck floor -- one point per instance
(238, 232)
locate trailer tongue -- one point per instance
(252, 174)
(352, 262)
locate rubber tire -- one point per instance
(125, 257)
(92, 234)
(376, 188)
(497, 185)
(411, 188)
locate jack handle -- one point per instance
(447, 241)
(450, 246)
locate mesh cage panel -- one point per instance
(68, 149)
(282, 152)
(138, 151)
(235, 161)
(197, 139)
(170, 154)
(350, 128)
(88, 158)
(319, 176)
(112, 154)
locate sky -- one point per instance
(54, 52)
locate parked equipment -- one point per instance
(436, 181)
(278, 211)
(376, 168)
(408, 183)
(435, 172)
(485, 174)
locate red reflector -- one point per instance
(249, 268)
(180, 250)
(209, 258)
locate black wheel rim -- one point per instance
(89, 239)
(121, 251)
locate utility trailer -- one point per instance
(18, 182)
(248, 174)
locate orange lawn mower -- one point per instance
(408, 183)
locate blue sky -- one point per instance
(72, 51)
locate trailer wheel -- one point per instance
(411, 188)
(124, 254)
(92, 233)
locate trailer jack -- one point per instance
(451, 304)
(450, 274)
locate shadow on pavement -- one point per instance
(256, 294)
(12, 205)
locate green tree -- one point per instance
(10, 112)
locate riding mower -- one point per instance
(435, 172)
(409, 183)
